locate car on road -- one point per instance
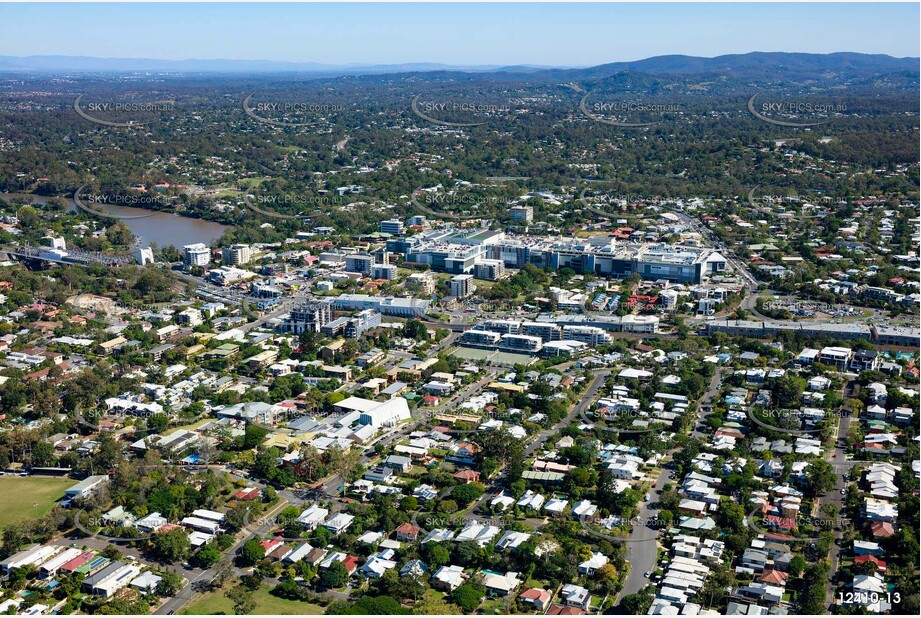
(646, 498)
(844, 491)
(647, 574)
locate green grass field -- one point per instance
(217, 603)
(26, 497)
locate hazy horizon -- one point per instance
(564, 35)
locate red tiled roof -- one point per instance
(41, 373)
(408, 528)
(535, 594)
(351, 563)
(249, 493)
(785, 523)
(882, 529)
(773, 576)
(781, 538)
(880, 564)
(565, 610)
(271, 544)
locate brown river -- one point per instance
(162, 228)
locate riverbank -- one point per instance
(160, 228)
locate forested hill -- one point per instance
(797, 67)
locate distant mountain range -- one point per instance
(819, 63)
(123, 65)
(752, 65)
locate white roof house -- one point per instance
(206, 514)
(555, 506)
(51, 567)
(480, 534)
(449, 577)
(531, 500)
(200, 524)
(500, 585)
(146, 582)
(376, 566)
(870, 583)
(33, 555)
(151, 522)
(438, 535)
(584, 509)
(339, 522)
(502, 502)
(512, 539)
(590, 566)
(880, 510)
(298, 553)
(313, 516)
(425, 492)
(575, 596)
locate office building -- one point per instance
(392, 226)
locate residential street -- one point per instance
(703, 408)
(644, 541)
(195, 576)
(591, 392)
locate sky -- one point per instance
(458, 34)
